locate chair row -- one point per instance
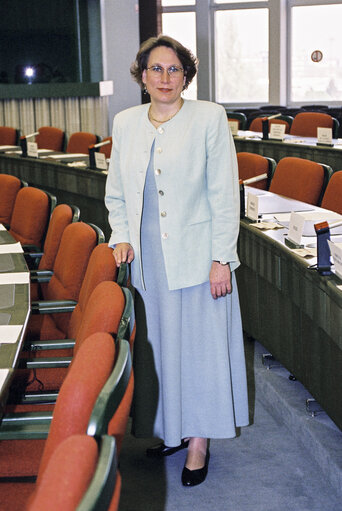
(304, 124)
(54, 138)
(296, 178)
(75, 375)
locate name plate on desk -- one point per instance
(336, 253)
(324, 136)
(32, 149)
(100, 161)
(252, 206)
(296, 228)
(277, 131)
(234, 127)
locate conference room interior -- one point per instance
(64, 75)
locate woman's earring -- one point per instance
(145, 90)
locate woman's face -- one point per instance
(162, 87)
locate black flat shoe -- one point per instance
(161, 450)
(195, 477)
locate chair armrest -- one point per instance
(29, 425)
(122, 276)
(39, 363)
(40, 275)
(52, 306)
(57, 344)
(37, 398)
(29, 431)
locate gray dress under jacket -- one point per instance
(190, 376)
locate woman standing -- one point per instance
(173, 200)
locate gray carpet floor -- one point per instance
(285, 460)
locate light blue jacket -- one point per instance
(197, 178)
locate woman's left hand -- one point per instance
(220, 280)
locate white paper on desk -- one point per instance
(15, 278)
(9, 334)
(4, 148)
(3, 376)
(311, 218)
(296, 228)
(336, 253)
(277, 131)
(2, 227)
(234, 127)
(324, 136)
(252, 206)
(11, 248)
(273, 203)
(66, 156)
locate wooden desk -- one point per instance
(14, 309)
(294, 312)
(277, 149)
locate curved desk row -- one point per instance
(73, 185)
(14, 307)
(293, 311)
(299, 147)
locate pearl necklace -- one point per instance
(165, 120)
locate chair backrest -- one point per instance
(90, 370)
(108, 309)
(30, 216)
(50, 138)
(8, 136)
(251, 165)
(9, 187)
(305, 124)
(101, 267)
(62, 215)
(256, 124)
(80, 141)
(332, 198)
(300, 179)
(77, 243)
(238, 116)
(106, 149)
(81, 474)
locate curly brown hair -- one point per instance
(188, 60)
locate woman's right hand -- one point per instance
(123, 253)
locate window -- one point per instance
(316, 79)
(241, 61)
(182, 26)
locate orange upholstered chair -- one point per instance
(305, 124)
(107, 310)
(251, 165)
(88, 374)
(8, 136)
(9, 187)
(50, 138)
(79, 142)
(61, 217)
(332, 198)
(300, 179)
(30, 216)
(256, 124)
(106, 149)
(77, 243)
(69, 478)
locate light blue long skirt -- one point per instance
(189, 363)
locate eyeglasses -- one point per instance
(172, 71)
